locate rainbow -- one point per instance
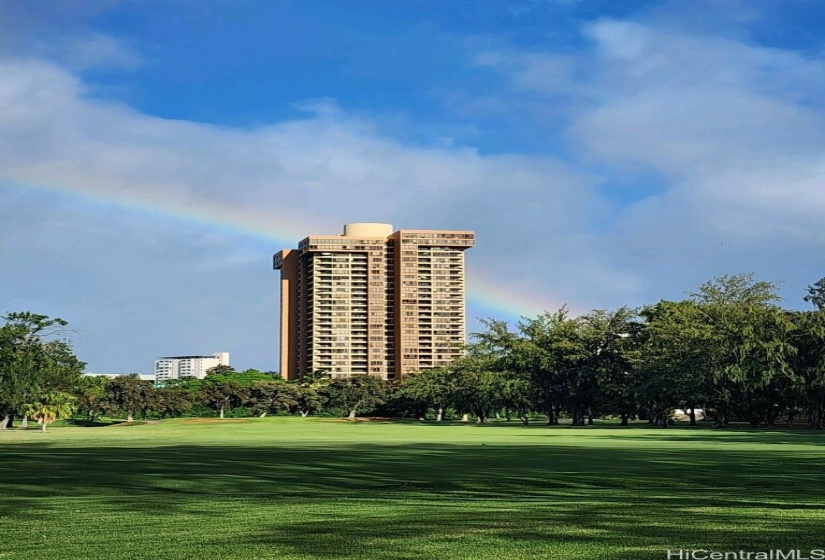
(487, 297)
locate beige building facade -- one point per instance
(372, 301)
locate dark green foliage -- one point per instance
(33, 361)
(173, 401)
(130, 395)
(816, 294)
(273, 397)
(729, 350)
(356, 393)
(92, 396)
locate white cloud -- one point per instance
(724, 138)
(726, 135)
(287, 179)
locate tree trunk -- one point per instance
(4, 422)
(465, 417)
(24, 423)
(221, 416)
(43, 426)
(718, 417)
(263, 415)
(770, 418)
(440, 416)
(304, 413)
(129, 418)
(692, 414)
(551, 416)
(816, 418)
(524, 419)
(352, 412)
(625, 420)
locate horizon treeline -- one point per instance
(728, 352)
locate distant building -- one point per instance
(188, 367)
(372, 301)
(143, 376)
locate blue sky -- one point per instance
(156, 153)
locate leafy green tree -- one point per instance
(267, 397)
(678, 355)
(612, 339)
(736, 289)
(484, 381)
(223, 394)
(309, 398)
(33, 361)
(49, 407)
(357, 392)
(749, 346)
(809, 364)
(428, 388)
(91, 395)
(548, 349)
(129, 394)
(816, 294)
(227, 390)
(220, 369)
(172, 401)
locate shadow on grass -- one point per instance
(485, 471)
(414, 501)
(629, 531)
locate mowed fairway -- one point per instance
(292, 488)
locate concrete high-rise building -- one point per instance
(188, 367)
(372, 301)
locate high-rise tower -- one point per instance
(372, 301)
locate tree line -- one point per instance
(728, 350)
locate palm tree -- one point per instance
(53, 406)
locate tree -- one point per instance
(171, 401)
(220, 369)
(737, 289)
(91, 394)
(816, 294)
(678, 355)
(747, 347)
(809, 364)
(549, 347)
(356, 392)
(33, 361)
(128, 393)
(273, 397)
(223, 394)
(309, 399)
(428, 388)
(51, 406)
(612, 339)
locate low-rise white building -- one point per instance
(143, 376)
(188, 367)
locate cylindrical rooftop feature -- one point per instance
(367, 230)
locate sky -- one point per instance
(154, 154)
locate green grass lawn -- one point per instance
(293, 488)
